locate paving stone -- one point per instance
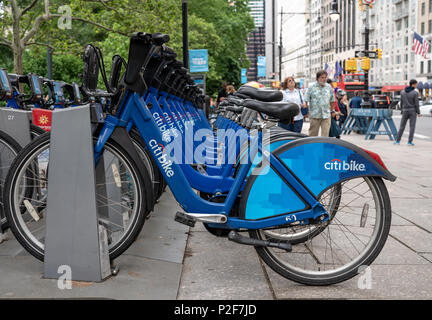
(418, 211)
(139, 278)
(395, 253)
(215, 268)
(413, 237)
(387, 282)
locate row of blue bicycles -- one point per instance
(315, 209)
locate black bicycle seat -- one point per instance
(261, 94)
(280, 110)
(235, 100)
(235, 109)
(159, 38)
(241, 96)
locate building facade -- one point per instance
(424, 28)
(313, 39)
(257, 38)
(394, 23)
(294, 48)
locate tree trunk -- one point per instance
(18, 59)
(17, 48)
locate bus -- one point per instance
(351, 82)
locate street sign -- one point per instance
(243, 76)
(261, 66)
(368, 54)
(198, 60)
(372, 55)
(200, 81)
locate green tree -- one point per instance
(232, 22)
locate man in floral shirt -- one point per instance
(321, 102)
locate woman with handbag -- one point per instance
(291, 94)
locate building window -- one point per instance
(398, 59)
(430, 26)
(429, 66)
(398, 25)
(423, 8)
(422, 67)
(422, 28)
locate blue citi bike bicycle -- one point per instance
(330, 191)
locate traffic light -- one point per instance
(379, 53)
(351, 65)
(366, 64)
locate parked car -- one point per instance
(381, 101)
(426, 110)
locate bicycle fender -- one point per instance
(320, 163)
(120, 136)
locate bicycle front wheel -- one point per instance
(120, 197)
(336, 250)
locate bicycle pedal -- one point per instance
(184, 219)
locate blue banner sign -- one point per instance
(243, 76)
(261, 64)
(198, 60)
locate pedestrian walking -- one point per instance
(230, 90)
(343, 109)
(356, 101)
(293, 95)
(321, 101)
(222, 94)
(410, 110)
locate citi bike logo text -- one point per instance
(162, 157)
(338, 165)
(166, 125)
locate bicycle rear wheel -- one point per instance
(120, 197)
(352, 239)
(9, 149)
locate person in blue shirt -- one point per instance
(356, 101)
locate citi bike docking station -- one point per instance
(315, 209)
(74, 238)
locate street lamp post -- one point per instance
(185, 34)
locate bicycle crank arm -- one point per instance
(236, 237)
(189, 219)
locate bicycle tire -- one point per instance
(36, 131)
(149, 162)
(26, 239)
(365, 258)
(13, 147)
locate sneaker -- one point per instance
(411, 144)
(397, 143)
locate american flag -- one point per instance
(420, 45)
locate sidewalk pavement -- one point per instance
(150, 269)
(169, 261)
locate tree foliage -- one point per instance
(28, 27)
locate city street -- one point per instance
(423, 127)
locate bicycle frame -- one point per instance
(133, 108)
